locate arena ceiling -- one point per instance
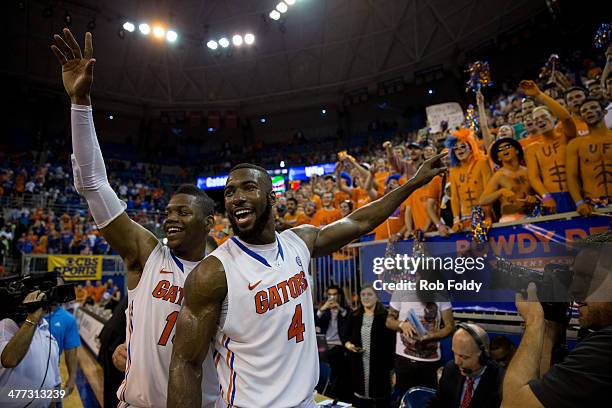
(319, 47)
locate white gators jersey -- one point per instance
(153, 308)
(265, 349)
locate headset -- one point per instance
(484, 357)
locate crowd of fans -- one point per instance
(503, 168)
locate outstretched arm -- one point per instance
(484, 120)
(531, 89)
(334, 236)
(133, 242)
(205, 289)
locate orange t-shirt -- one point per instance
(98, 292)
(391, 225)
(359, 197)
(418, 203)
(296, 219)
(529, 140)
(381, 178)
(324, 217)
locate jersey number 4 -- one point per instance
(170, 322)
(296, 328)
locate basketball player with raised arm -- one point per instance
(252, 297)
(156, 274)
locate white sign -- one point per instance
(450, 112)
(89, 329)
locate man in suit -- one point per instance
(472, 379)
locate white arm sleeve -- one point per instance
(88, 168)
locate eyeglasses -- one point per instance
(504, 147)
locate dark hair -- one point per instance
(292, 199)
(590, 99)
(349, 203)
(574, 88)
(329, 177)
(501, 342)
(266, 178)
(341, 301)
(207, 204)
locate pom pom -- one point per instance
(471, 119)
(479, 76)
(602, 35)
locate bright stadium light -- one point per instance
(212, 44)
(290, 2)
(224, 42)
(144, 28)
(171, 36)
(237, 40)
(129, 27)
(158, 32)
(249, 38)
(282, 7)
(274, 15)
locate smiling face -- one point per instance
(327, 199)
(415, 153)
(345, 208)
(544, 120)
(591, 112)
(185, 222)
(368, 297)
(249, 199)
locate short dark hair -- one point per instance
(574, 88)
(292, 199)
(207, 204)
(591, 99)
(260, 169)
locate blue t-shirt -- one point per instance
(63, 326)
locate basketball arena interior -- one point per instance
(306, 203)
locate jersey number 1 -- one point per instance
(296, 328)
(170, 322)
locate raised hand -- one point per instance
(77, 68)
(430, 168)
(479, 98)
(529, 88)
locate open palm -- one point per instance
(77, 69)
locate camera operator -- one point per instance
(584, 378)
(29, 358)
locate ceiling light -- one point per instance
(274, 15)
(158, 32)
(237, 40)
(249, 38)
(282, 7)
(129, 27)
(290, 2)
(224, 42)
(144, 28)
(171, 36)
(212, 44)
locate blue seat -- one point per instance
(417, 397)
(324, 377)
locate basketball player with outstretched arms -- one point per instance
(156, 274)
(252, 297)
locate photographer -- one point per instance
(584, 377)
(29, 358)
